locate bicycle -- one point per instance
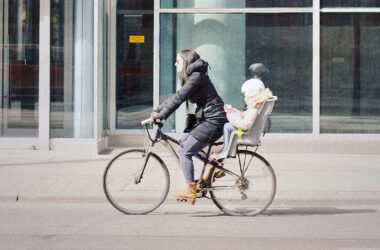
(137, 181)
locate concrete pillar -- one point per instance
(220, 40)
(84, 69)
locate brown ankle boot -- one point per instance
(218, 173)
(188, 195)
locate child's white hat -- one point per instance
(252, 87)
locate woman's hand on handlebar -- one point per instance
(156, 116)
(156, 109)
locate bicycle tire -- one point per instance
(260, 188)
(119, 182)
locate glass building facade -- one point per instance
(19, 68)
(81, 71)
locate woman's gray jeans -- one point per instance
(188, 147)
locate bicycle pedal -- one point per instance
(182, 200)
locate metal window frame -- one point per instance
(42, 140)
(315, 10)
(350, 10)
(112, 67)
(2, 26)
(341, 136)
(96, 143)
(44, 77)
(99, 12)
(316, 70)
(237, 10)
(112, 10)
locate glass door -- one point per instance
(19, 64)
(134, 63)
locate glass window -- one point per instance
(19, 64)
(350, 62)
(278, 3)
(72, 80)
(232, 42)
(234, 3)
(134, 72)
(135, 5)
(350, 3)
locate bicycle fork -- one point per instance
(147, 151)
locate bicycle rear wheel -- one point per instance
(121, 189)
(250, 193)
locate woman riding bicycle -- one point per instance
(196, 87)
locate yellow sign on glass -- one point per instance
(136, 39)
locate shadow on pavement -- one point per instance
(315, 211)
(293, 211)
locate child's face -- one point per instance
(246, 98)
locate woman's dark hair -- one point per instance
(188, 56)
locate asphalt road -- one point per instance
(182, 226)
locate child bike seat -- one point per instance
(253, 135)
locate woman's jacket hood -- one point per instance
(197, 66)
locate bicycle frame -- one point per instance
(166, 139)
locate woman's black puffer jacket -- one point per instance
(200, 90)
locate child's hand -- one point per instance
(258, 105)
(228, 108)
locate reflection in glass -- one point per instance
(234, 3)
(350, 3)
(283, 42)
(19, 61)
(134, 72)
(232, 42)
(72, 90)
(350, 62)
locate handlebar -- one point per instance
(150, 120)
(158, 124)
(147, 121)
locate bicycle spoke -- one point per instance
(245, 157)
(246, 168)
(241, 170)
(243, 165)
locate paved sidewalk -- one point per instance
(51, 176)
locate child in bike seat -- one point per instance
(255, 94)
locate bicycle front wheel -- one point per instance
(126, 191)
(249, 193)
